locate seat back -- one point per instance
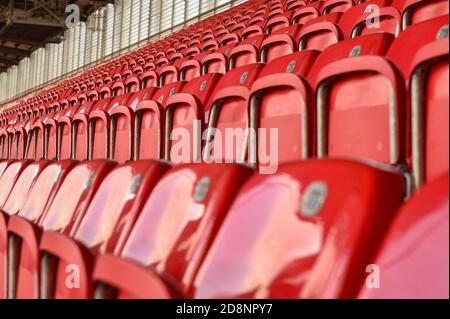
(321, 32)
(362, 85)
(228, 115)
(122, 126)
(420, 232)
(307, 231)
(349, 19)
(74, 195)
(113, 206)
(185, 119)
(9, 177)
(280, 103)
(22, 186)
(149, 123)
(246, 52)
(426, 73)
(416, 11)
(107, 215)
(172, 235)
(44, 189)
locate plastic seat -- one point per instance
(279, 43)
(374, 44)
(295, 4)
(148, 140)
(35, 143)
(413, 257)
(185, 111)
(11, 205)
(360, 84)
(121, 134)
(385, 19)
(321, 32)
(228, 108)
(426, 72)
(168, 74)
(247, 52)
(350, 18)
(78, 126)
(4, 154)
(252, 31)
(3, 165)
(192, 67)
(217, 62)
(67, 207)
(307, 231)
(415, 11)
(107, 215)
(22, 241)
(9, 177)
(19, 141)
(281, 98)
(171, 235)
(278, 22)
(331, 6)
(80, 121)
(63, 119)
(50, 137)
(99, 125)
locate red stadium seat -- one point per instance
(19, 141)
(79, 124)
(306, 13)
(246, 52)
(413, 257)
(279, 43)
(68, 205)
(307, 231)
(50, 137)
(415, 11)
(148, 142)
(10, 205)
(431, 60)
(4, 154)
(64, 119)
(22, 242)
(171, 236)
(217, 62)
(35, 143)
(106, 216)
(182, 111)
(9, 177)
(385, 19)
(278, 22)
(331, 6)
(3, 165)
(79, 127)
(281, 98)
(368, 8)
(227, 108)
(360, 99)
(122, 126)
(252, 31)
(426, 73)
(99, 125)
(321, 32)
(192, 67)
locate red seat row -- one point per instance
(112, 183)
(360, 97)
(310, 230)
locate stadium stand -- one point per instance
(351, 96)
